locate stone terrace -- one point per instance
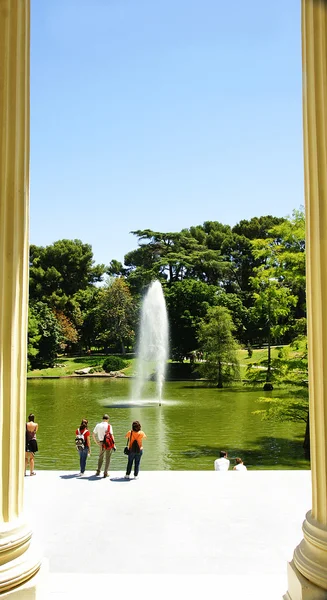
(198, 532)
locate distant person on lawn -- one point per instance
(30, 443)
(239, 465)
(222, 463)
(100, 430)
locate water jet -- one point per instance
(152, 347)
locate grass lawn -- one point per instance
(69, 365)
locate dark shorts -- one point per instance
(31, 446)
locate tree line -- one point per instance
(249, 278)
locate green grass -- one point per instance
(72, 364)
(96, 361)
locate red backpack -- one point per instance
(108, 440)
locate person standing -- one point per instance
(222, 463)
(100, 430)
(135, 435)
(239, 465)
(30, 443)
(84, 450)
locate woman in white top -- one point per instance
(239, 465)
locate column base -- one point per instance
(300, 588)
(20, 558)
(36, 588)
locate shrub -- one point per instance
(113, 363)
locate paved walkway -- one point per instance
(232, 530)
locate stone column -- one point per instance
(18, 561)
(307, 573)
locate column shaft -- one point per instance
(17, 560)
(310, 557)
(14, 190)
(314, 23)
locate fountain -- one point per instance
(152, 348)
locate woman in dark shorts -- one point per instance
(31, 443)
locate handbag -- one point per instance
(126, 449)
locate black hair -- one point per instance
(83, 425)
(223, 453)
(31, 417)
(136, 426)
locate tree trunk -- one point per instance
(123, 347)
(306, 442)
(220, 376)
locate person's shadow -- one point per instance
(117, 479)
(81, 478)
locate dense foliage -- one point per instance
(113, 363)
(253, 272)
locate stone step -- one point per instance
(68, 586)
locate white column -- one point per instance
(18, 561)
(308, 570)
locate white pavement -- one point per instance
(230, 534)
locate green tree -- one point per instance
(46, 342)
(187, 303)
(282, 255)
(60, 270)
(116, 314)
(33, 338)
(290, 369)
(87, 300)
(218, 346)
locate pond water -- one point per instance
(185, 433)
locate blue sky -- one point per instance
(162, 114)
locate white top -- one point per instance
(240, 468)
(222, 464)
(101, 428)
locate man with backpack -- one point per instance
(104, 433)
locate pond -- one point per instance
(185, 433)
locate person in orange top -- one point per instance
(135, 437)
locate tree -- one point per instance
(272, 306)
(187, 303)
(290, 369)
(172, 257)
(60, 270)
(87, 300)
(282, 256)
(257, 227)
(218, 346)
(69, 335)
(279, 283)
(33, 338)
(45, 343)
(116, 314)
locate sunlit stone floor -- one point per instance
(230, 534)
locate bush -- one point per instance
(113, 363)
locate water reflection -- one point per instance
(185, 433)
(128, 403)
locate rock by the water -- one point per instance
(83, 371)
(116, 374)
